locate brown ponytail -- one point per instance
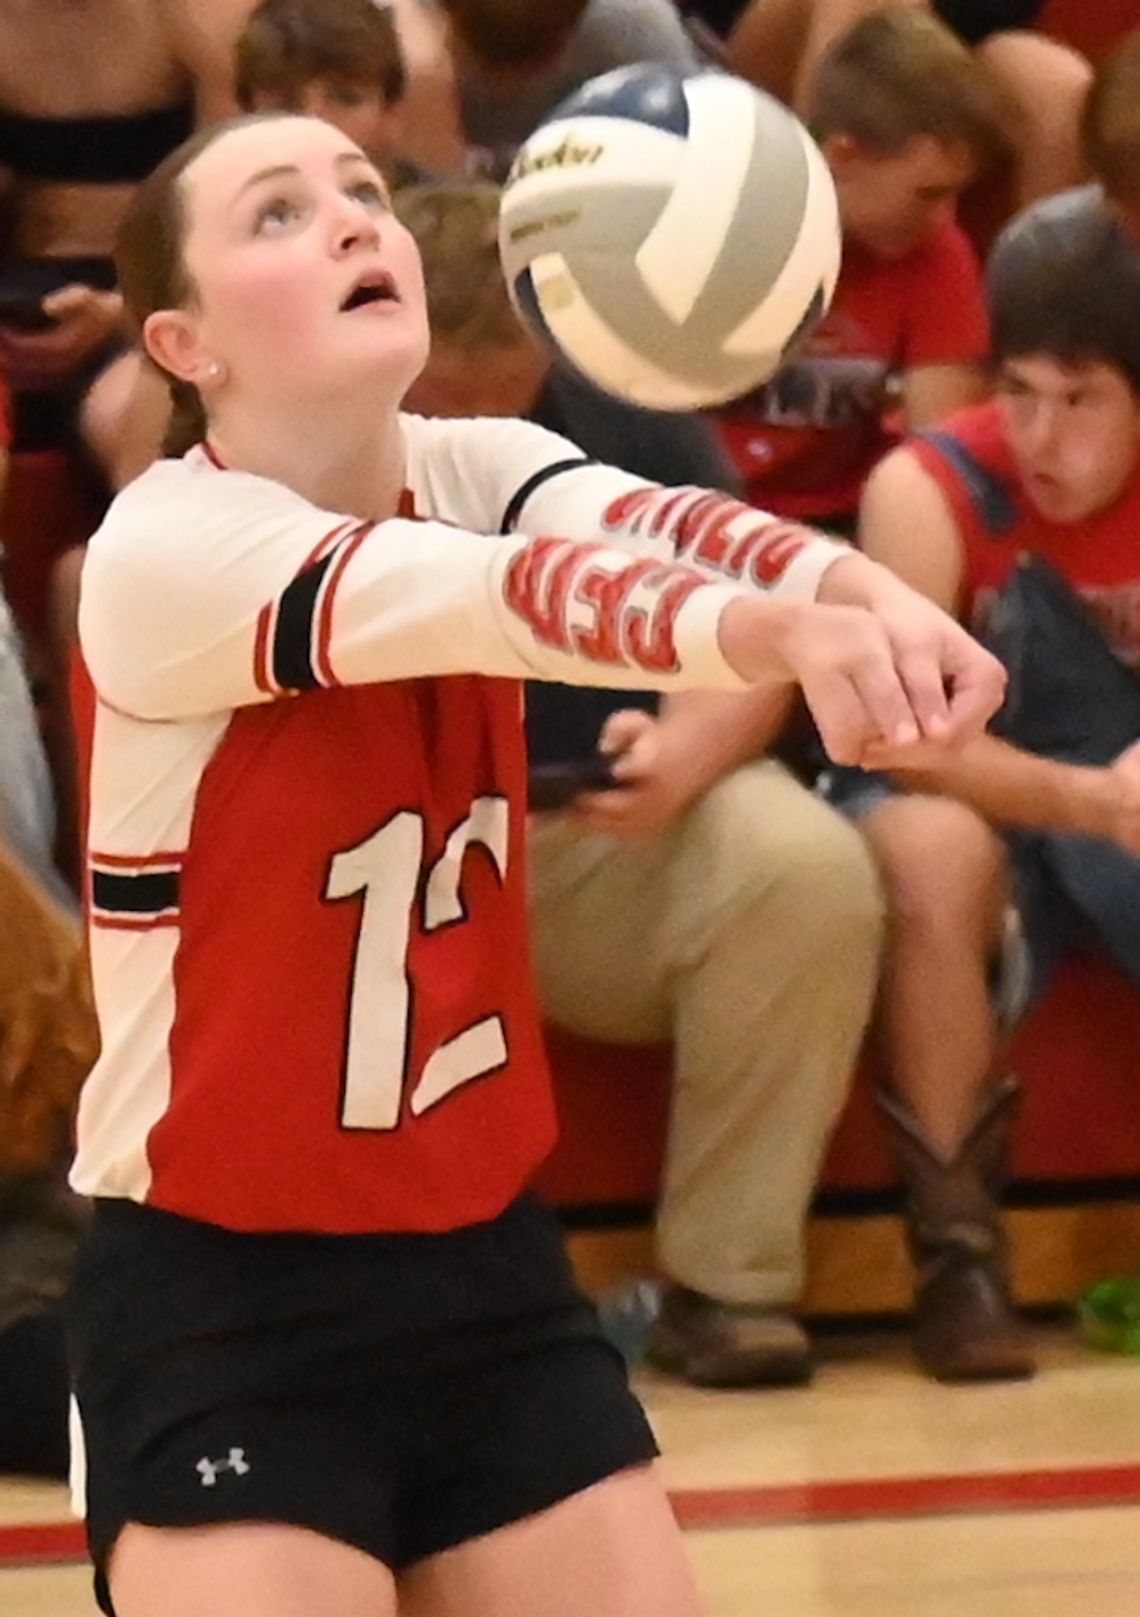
(187, 425)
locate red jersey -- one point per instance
(307, 910)
(970, 460)
(805, 444)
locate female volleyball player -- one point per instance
(328, 1355)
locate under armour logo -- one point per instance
(210, 1470)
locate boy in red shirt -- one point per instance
(906, 118)
(994, 859)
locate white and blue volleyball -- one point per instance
(673, 235)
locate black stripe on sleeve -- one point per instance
(292, 655)
(524, 492)
(146, 893)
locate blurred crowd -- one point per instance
(971, 400)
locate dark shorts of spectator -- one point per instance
(50, 420)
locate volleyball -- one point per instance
(672, 235)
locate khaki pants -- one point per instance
(748, 936)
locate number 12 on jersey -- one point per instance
(386, 868)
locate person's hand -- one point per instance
(656, 787)
(953, 685)
(842, 659)
(86, 320)
(878, 678)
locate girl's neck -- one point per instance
(339, 460)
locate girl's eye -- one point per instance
(276, 215)
(370, 193)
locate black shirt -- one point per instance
(564, 721)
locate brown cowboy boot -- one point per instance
(966, 1328)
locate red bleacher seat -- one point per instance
(1090, 26)
(49, 506)
(1080, 1120)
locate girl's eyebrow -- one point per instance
(279, 171)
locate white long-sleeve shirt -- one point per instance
(307, 914)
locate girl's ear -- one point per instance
(170, 338)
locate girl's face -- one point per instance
(306, 284)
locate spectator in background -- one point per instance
(433, 138)
(27, 812)
(47, 1044)
(717, 15)
(91, 97)
(779, 45)
(712, 901)
(507, 63)
(996, 861)
(906, 119)
(334, 59)
(1111, 130)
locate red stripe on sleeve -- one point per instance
(324, 622)
(135, 861)
(122, 923)
(266, 618)
(262, 678)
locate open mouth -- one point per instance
(375, 287)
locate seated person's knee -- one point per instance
(941, 865)
(782, 843)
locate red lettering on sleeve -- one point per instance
(538, 584)
(608, 594)
(551, 576)
(629, 510)
(744, 550)
(773, 558)
(665, 509)
(652, 640)
(627, 632)
(716, 541)
(693, 519)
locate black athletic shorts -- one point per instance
(401, 1393)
